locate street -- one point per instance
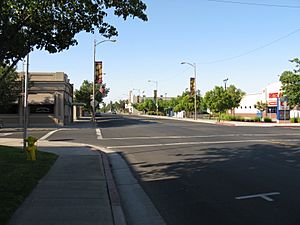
(197, 173)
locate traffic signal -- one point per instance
(192, 86)
(98, 72)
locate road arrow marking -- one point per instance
(264, 196)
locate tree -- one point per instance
(10, 89)
(147, 105)
(234, 97)
(219, 101)
(216, 100)
(85, 92)
(262, 106)
(52, 25)
(291, 84)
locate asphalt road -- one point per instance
(205, 174)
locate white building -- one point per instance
(269, 95)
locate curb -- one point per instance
(117, 211)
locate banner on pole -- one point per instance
(98, 72)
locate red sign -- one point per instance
(273, 95)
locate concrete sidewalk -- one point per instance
(74, 192)
(228, 123)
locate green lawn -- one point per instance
(18, 177)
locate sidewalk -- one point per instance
(227, 123)
(76, 191)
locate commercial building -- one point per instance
(50, 97)
(269, 95)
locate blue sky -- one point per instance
(219, 37)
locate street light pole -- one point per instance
(94, 74)
(156, 85)
(225, 81)
(25, 102)
(195, 92)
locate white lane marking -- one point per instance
(5, 134)
(99, 134)
(184, 143)
(264, 196)
(48, 134)
(201, 136)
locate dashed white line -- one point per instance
(99, 134)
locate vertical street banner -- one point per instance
(192, 86)
(155, 96)
(98, 72)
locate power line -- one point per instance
(256, 4)
(255, 49)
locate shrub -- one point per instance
(239, 118)
(151, 113)
(257, 119)
(267, 120)
(155, 113)
(294, 120)
(231, 118)
(298, 119)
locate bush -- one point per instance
(151, 113)
(257, 119)
(298, 119)
(294, 120)
(231, 118)
(267, 120)
(155, 113)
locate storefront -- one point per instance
(272, 95)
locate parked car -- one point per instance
(97, 114)
(42, 110)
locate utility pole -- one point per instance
(25, 102)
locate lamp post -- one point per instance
(25, 101)
(156, 86)
(225, 81)
(94, 74)
(195, 92)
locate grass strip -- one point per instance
(18, 177)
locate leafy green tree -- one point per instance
(291, 84)
(234, 97)
(85, 92)
(10, 89)
(147, 105)
(262, 106)
(52, 25)
(217, 100)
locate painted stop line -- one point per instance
(264, 196)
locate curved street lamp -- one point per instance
(195, 92)
(95, 45)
